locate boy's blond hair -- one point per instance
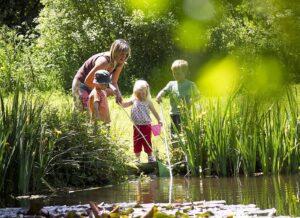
(180, 66)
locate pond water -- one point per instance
(280, 192)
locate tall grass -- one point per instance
(6, 151)
(192, 144)
(218, 136)
(243, 133)
(47, 144)
(247, 136)
(21, 125)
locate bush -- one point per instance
(43, 143)
(21, 64)
(83, 155)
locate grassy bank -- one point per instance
(45, 144)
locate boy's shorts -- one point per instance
(84, 96)
(139, 140)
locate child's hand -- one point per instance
(160, 123)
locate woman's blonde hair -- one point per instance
(180, 66)
(141, 85)
(119, 46)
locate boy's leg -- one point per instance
(177, 154)
(175, 123)
(76, 92)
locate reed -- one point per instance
(192, 139)
(6, 151)
(278, 143)
(218, 136)
(21, 122)
(243, 133)
(46, 143)
(246, 137)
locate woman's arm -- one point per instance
(114, 81)
(100, 64)
(116, 75)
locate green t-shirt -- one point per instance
(178, 91)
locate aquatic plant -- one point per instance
(242, 133)
(21, 126)
(47, 144)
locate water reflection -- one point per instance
(280, 192)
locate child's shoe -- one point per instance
(151, 159)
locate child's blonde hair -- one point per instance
(180, 66)
(140, 85)
(119, 46)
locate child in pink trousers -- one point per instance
(140, 115)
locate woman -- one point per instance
(112, 61)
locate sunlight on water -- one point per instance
(219, 77)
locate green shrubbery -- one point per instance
(68, 32)
(21, 64)
(72, 31)
(42, 145)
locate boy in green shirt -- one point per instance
(179, 90)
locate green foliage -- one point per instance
(83, 154)
(71, 31)
(191, 140)
(218, 132)
(152, 47)
(243, 134)
(254, 28)
(21, 127)
(21, 66)
(44, 144)
(263, 35)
